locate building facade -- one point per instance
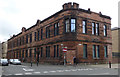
(0, 50)
(85, 34)
(4, 50)
(115, 44)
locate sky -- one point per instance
(15, 14)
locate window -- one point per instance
(97, 29)
(96, 53)
(41, 51)
(57, 50)
(20, 41)
(23, 54)
(47, 51)
(67, 26)
(19, 53)
(84, 27)
(105, 30)
(26, 38)
(38, 35)
(41, 34)
(47, 32)
(70, 25)
(54, 50)
(26, 53)
(56, 29)
(105, 52)
(85, 51)
(34, 52)
(35, 36)
(30, 53)
(93, 28)
(30, 37)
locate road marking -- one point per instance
(28, 73)
(52, 71)
(36, 72)
(18, 74)
(73, 69)
(60, 70)
(28, 69)
(67, 70)
(45, 72)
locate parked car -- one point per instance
(4, 62)
(16, 62)
(11, 61)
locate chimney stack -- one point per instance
(75, 5)
(23, 29)
(69, 5)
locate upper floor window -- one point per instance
(93, 28)
(38, 32)
(47, 32)
(35, 36)
(70, 25)
(41, 34)
(67, 25)
(84, 26)
(56, 29)
(30, 37)
(105, 30)
(97, 29)
(73, 25)
(26, 38)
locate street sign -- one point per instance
(64, 50)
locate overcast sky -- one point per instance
(15, 14)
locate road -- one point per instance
(26, 69)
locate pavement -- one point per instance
(116, 65)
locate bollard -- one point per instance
(109, 64)
(31, 63)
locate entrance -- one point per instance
(69, 56)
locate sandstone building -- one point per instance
(85, 34)
(116, 44)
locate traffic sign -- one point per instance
(64, 50)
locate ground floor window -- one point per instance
(105, 52)
(84, 50)
(47, 51)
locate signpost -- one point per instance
(64, 50)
